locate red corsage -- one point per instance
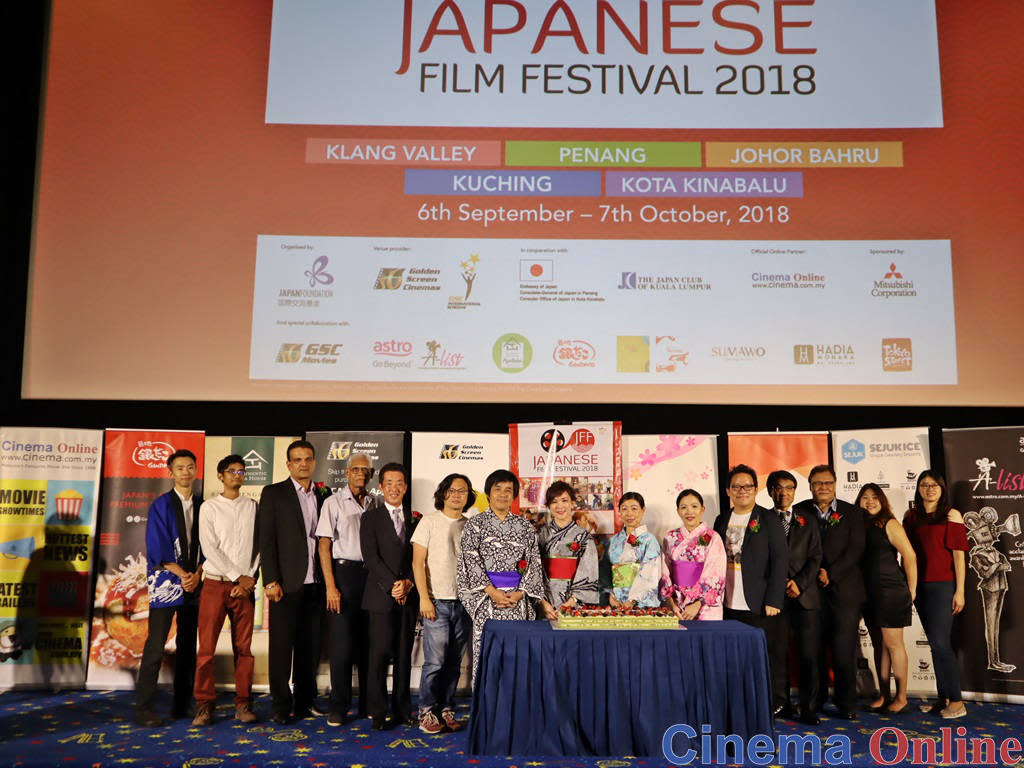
(574, 547)
(416, 515)
(705, 538)
(800, 520)
(754, 525)
(632, 540)
(319, 485)
(521, 567)
(834, 519)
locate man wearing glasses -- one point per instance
(756, 553)
(842, 544)
(344, 580)
(226, 535)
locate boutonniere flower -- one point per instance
(632, 540)
(800, 520)
(521, 567)
(319, 485)
(834, 519)
(705, 538)
(416, 515)
(574, 547)
(754, 525)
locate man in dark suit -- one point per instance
(385, 536)
(802, 612)
(287, 520)
(755, 548)
(842, 544)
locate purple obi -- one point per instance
(504, 579)
(686, 573)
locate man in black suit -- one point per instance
(385, 536)
(287, 520)
(755, 548)
(802, 612)
(842, 544)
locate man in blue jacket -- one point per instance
(174, 566)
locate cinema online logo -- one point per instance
(314, 353)
(392, 353)
(738, 353)
(468, 273)
(440, 358)
(462, 452)
(786, 280)
(893, 284)
(151, 454)
(575, 353)
(897, 355)
(824, 354)
(417, 279)
(635, 281)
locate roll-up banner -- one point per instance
(766, 452)
(658, 467)
(891, 458)
(134, 474)
(587, 455)
(48, 489)
(333, 450)
(436, 455)
(985, 474)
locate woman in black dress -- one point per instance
(891, 590)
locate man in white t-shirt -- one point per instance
(226, 534)
(446, 626)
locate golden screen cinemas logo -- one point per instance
(897, 355)
(824, 354)
(309, 354)
(575, 353)
(554, 441)
(418, 279)
(893, 284)
(462, 452)
(633, 281)
(392, 353)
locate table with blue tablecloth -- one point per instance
(542, 691)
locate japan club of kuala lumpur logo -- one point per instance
(512, 353)
(580, 440)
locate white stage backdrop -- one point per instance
(660, 466)
(892, 458)
(437, 454)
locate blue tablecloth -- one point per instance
(542, 691)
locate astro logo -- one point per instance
(449, 452)
(339, 451)
(389, 279)
(853, 451)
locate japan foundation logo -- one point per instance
(315, 280)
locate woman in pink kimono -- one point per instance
(693, 563)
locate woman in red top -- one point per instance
(937, 534)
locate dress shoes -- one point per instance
(809, 718)
(317, 710)
(846, 714)
(379, 724)
(335, 717)
(303, 714)
(147, 718)
(783, 711)
(280, 718)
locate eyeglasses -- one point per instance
(235, 472)
(360, 470)
(822, 483)
(743, 488)
(928, 486)
(457, 492)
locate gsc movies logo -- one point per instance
(581, 440)
(315, 353)
(340, 450)
(853, 452)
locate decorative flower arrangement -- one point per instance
(754, 525)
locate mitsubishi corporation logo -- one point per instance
(893, 284)
(389, 279)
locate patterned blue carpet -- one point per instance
(93, 729)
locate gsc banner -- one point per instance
(48, 489)
(333, 450)
(436, 455)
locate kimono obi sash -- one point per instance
(685, 573)
(504, 579)
(561, 567)
(624, 574)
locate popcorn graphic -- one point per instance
(69, 504)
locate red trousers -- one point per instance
(214, 604)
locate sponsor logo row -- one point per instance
(513, 352)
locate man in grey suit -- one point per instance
(287, 520)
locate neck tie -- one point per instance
(399, 525)
(784, 517)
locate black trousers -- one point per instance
(295, 625)
(159, 626)
(391, 635)
(839, 624)
(806, 626)
(348, 637)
